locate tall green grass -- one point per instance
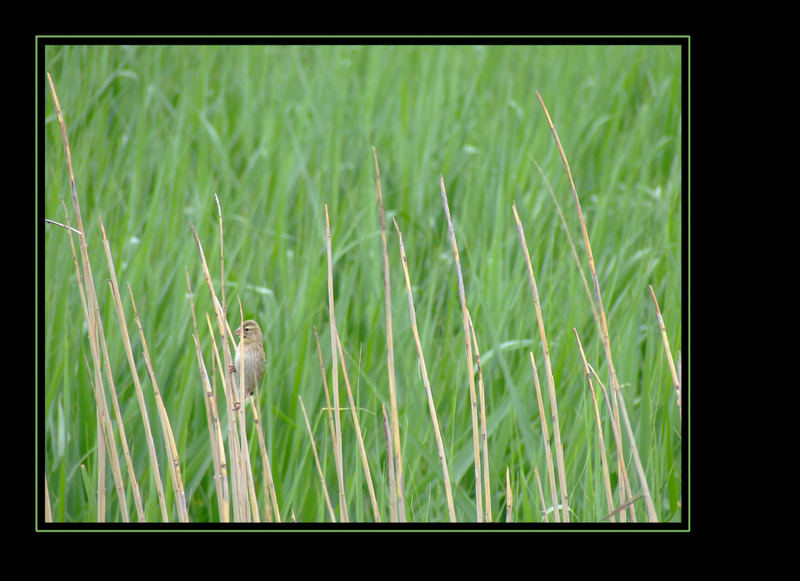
(277, 132)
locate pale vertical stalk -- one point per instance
(509, 500)
(675, 381)
(390, 463)
(439, 445)
(546, 437)
(247, 486)
(221, 257)
(335, 374)
(166, 428)
(359, 438)
(600, 439)
(541, 493)
(105, 439)
(108, 436)
(398, 510)
(137, 497)
(571, 243)
(117, 413)
(212, 420)
(92, 310)
(482, 414)
(48, 514)
(616, 429)
(468, 348)
(245, 480)
(271, 509)
(215, 437)
(317, 462)
(230, 495)
(123, 327)
(101, 403)
(547, 367)
(102, 443)
(329, 409)
(252, 508)
(102, 449)
(651, 512)
(239, 499)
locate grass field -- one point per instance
(280, 132)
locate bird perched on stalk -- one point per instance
(251, 348)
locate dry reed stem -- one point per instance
(108, 431)
(329, 408)
(616, 429)
(244, 509)
(252, 508)
(359, 438)
(166, 428)
(105, 432)
(92, 310)
(571, 243)
(217, 362)
(390, 464)
(207, 390)
(546, 438)
(335, 374)
(48, 513)
(468, 349)
(115, 403)
(398, 511)
(126, 342)
(487, 504)
(239, 498)
(426, 382)
(78, 275)
(137, 496)
(212, 420)
(600, 439)
(271, 510)
(547, 367)
(267, 472)
(230, 423)
(105, 440)
(221, 257)
(648, 500)
(102, 442)
(675, 381)
(651, 512)
(509, 500)
(102, 405)
(215, 438)
(541, 493)
(317, 462)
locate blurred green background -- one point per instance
(277, 132)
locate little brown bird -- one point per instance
(255, 360)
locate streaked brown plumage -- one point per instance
(255, 360)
